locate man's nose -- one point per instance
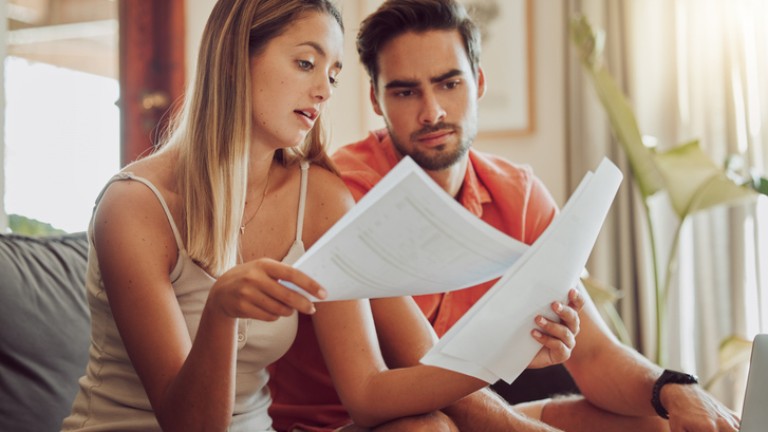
(432, 111)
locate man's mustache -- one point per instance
(434, 128)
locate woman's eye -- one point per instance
(334, 81)
(305, 65)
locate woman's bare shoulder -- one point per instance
(327, 188)
(328, 199)
(129, 210)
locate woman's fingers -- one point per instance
(575, 300)
(556, 350)
(280, 271)
(557, 332)
(254, 290)
(569, 315)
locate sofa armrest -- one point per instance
(44, 328)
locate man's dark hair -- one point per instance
(396, 17)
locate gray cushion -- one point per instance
(44, 329)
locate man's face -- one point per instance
(428, 96)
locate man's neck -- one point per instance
(451, 178)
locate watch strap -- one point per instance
(668, 377)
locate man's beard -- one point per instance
(441, 160)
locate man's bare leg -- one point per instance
(576, 414)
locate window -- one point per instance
(62, 124)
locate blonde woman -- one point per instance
(188, 245)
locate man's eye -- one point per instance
(404, 93)
(452, 84)
(305, 65)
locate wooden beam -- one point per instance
(151, 70)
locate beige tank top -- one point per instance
(111, 396)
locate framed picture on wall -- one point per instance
(506, 58)
(507, 109)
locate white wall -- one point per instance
(350, 114)
(3, 30)
(197, 13)
(544, 148)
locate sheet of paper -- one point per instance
(492, 341)
(407, 237)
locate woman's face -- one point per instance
(293, 78)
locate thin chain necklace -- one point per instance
(263, 196)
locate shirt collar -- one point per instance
(473, 193)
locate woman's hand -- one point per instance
(252, 290)
(558, 338)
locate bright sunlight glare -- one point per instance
(61, 143)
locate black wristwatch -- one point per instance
(669, 377)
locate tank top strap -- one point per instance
(302, 199)
(130, 176)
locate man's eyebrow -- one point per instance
(401, 84)
(316, 46)
(450, 74)
(414, 83)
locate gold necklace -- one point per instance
(263, 196)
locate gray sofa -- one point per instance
(44, 329)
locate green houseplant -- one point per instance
(32, 227)
(688, 176)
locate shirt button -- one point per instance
(240, 337)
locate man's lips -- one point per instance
(434, 138)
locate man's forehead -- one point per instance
(422, 56)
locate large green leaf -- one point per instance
(620, 113)
(761, 185)
(694, 182)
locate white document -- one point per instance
(407, 236)
(492, 340)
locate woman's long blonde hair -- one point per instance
(212, 130)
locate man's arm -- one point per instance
(483, 409)
(618, 379)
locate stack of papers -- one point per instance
(407, 236)
(492, 340)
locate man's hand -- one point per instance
(691, 409)
(558, 338)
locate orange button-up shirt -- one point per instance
(504, 195)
